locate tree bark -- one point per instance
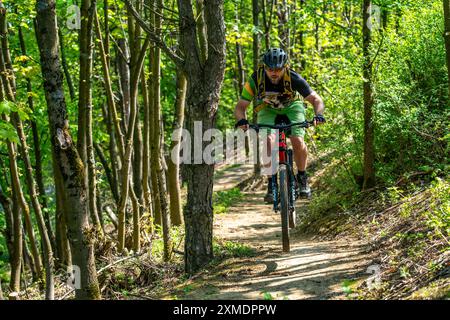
(447, 37)
(283, 28)
(173, 163)
(85, 143)
(8, 233)
(256, 50)
(64, 255)
(67, 157)
(158, 137)
(204, 86)
(65, 66)
(37, 152)
(369, 156)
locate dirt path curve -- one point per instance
(312, 270)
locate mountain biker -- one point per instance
(274, 87)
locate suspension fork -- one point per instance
(282, 159)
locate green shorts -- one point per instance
(295, 112)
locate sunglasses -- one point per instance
(277, 70)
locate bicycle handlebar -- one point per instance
(304, 124)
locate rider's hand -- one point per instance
(319, 119)
(243, 124)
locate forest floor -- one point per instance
(313, 269)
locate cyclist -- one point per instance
(274, 87)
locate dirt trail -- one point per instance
(312, 270)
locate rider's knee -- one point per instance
(298, 142)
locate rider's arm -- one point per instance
(302, 86)
(239, 111)
(317, 103)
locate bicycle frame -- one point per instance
(284, 158)
(286, 202)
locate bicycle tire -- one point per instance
(292, 196)
(284, 207)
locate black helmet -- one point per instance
(275, 58)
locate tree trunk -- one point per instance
(124, 81)
(301, 40)
(173, 164)
(65, 66)
(13, 238)
(447, 37)
(112, 148)
(267, 20)
(85, 143)
(112, 109)
(62, 242)
(369, 156)
(201, 29)
(283, 28)
(146, 149)
(5, 61)
(47, 248)
(204, 86)
(8, 233)
(67, 157)
(158, 137)
(203, 92)
(256, 50)
(37, 153)
(125, 174)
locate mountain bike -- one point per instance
(284, 192)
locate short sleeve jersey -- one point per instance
(298, 84)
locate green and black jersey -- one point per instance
(249, 92)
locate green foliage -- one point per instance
(222, 200)
(232, 249)
(267, 295)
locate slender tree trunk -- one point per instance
(37, 152)
(174, 163)
(47, 248)
(14, 240)
(112, 110)
(146, 148)
(67, 157)
(6, 89)
(158, 137)
(112, 154)
(256, 50)
(123, 60)
(283, 28)
(447, 37)
(85, 143)
(64, 254)
(17, 219)
(267, 20)
(369, 156)
(8, 233)
(65, 66)
(108, 172)
(201, 29)
(125, 176)
(301, 40)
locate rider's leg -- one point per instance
(267, 166)
(301, 159)
(267, 116)
(300, 152)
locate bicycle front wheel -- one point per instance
(284, 206)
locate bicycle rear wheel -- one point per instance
(292, 189)
(284, 206)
